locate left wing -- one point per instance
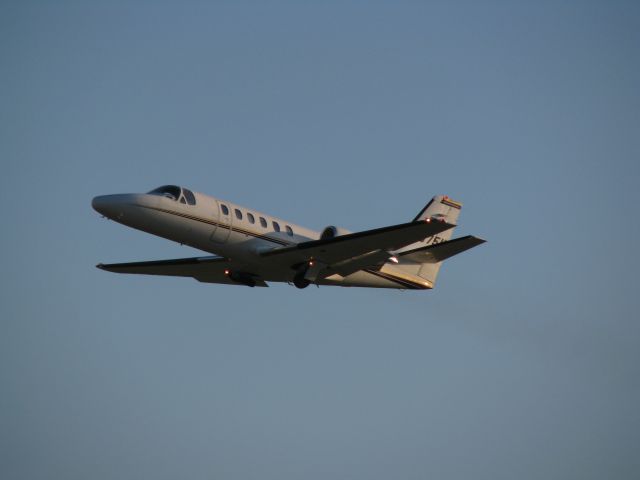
(341, 249)
(203, 269)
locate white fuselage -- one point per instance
(226, 229)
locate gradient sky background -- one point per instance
(524, 362)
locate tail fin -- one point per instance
(440, 207)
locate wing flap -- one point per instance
(441, 251)
(339, 249)
(352, 265)
(203, 269)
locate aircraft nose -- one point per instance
(111, 206)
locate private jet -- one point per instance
(252, 248)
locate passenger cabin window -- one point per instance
(224, 209)
(251, 217)
(263, 222)
(238, 214)
(169, 191)
(289, 230)
(276, 227)
(190, 197)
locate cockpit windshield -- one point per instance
(169, 191)
(188, 194)
(175, 193)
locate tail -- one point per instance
(439, 207)
(425, 258)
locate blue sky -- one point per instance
(522, 363)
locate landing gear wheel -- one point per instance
(301, 282)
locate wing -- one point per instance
(346, 247)
(441, 251)
(203, 269)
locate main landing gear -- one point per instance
(300, 282)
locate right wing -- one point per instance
(343, 248)
(203, 269)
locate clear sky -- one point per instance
(524, 362)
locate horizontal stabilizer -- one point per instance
(203, 269)
(441, 251)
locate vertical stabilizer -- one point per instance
(443, 207)
(440, 207)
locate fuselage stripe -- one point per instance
(398, 280)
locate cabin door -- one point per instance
(222, 227)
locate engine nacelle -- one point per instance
(331, 232)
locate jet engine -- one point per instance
(331, 232)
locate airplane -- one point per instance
(251, 248)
